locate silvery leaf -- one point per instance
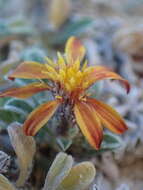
(25, 148)
(5, 184)
(79, 178)
(59, 169)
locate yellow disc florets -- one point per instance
(71, 77)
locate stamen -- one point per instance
(70, 72)
(58, 97)
(50, 62)
(85, 85)
(62, 75)
(76, 65)
(61, 61)
(50, 68)
(82, 98)
(68, 88)
(72, 82)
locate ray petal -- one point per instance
(25, 91)
(109, 117)
(89, 123)
(29, 70)
(100, 73)
(39, 117)
(74, 50)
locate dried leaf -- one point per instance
(59, 170)
(79, 178)
(5, 184)
(4, 162)
(56, 14)
(25, 148)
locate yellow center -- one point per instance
(71, 77)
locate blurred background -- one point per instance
(112, 32)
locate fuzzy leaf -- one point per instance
(5, 184)
(23, 105)
(19, 26)
(33, 54)
(9, 116)
(3, 100)
(25, 148)
(59, 169)
(79, 178)
(64, 143)
(111, 141)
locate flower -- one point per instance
(69, 82)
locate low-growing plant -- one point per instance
(62, 174)
(66, 103)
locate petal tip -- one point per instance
(74, 50)
(89, 123)
(128, 88)
(98, 145)
(39, 117)
(123, 130)
(27, 130)
(11, 78)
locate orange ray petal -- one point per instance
(25, 91)
(39, 117)
(29, 70)
(89, 123)
(74, 50)
(109, 117)
(101, 73)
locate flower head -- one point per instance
(69, 82)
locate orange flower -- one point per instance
(68, 83)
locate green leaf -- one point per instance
(16, 110)
(15, 26)
(58, 171)
(64, 143)
(18, 25)
(33, 54)
(73, 131)
(2, 101)
(110, 142)
(22, 105)
(74, 27)
(9, 116)
(4, 30)
(79, 178)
